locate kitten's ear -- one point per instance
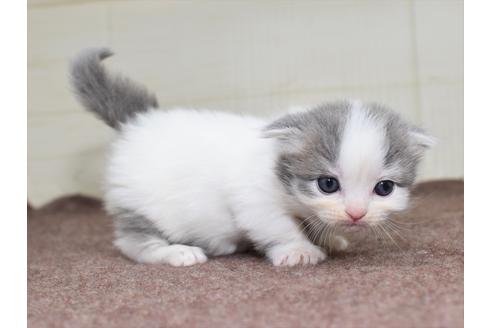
(288, 137)
(282, 134)
(422, 139)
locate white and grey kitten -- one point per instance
(183, 184)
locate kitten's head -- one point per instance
(348, 163)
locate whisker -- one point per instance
(405, 225)
(333, 233)
(326, 230)
(307, 223)
(313, 227)
(390, 237)
(381, 236)
(395, 229)
(321, 226)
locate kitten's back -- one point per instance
(187, 156)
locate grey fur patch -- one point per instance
(129, 222)
(404, 150)
(318, 132)
(114, 99)
(311, 144)
(304, 186)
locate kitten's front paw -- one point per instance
(182, 255)
(295, 254)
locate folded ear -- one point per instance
(286, 131)
(288, 139)
(421, 138)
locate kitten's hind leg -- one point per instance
(139, 240)
(149, 249)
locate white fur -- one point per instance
(204, 178)
(207, 179)
(361, 158)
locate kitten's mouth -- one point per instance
(353, 226)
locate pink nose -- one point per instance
(356, 213)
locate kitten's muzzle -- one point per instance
(356, 214)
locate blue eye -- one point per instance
(384, 188)
(328, 185)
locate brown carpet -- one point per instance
(77, 279)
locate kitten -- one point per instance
(183, 185)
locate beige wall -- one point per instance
(243, 56)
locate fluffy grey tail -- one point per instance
(113, 98)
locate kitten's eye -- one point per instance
(384, 188)
(328, 185)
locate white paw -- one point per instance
(338, 243)
(181, 255)
(295, 254)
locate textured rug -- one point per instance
(77, 279)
